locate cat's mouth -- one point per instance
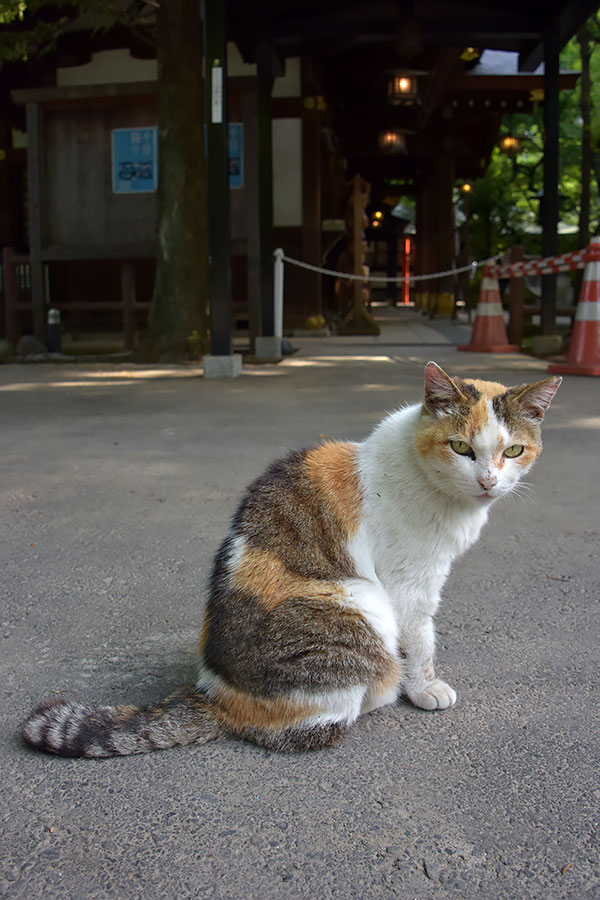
(484, 495)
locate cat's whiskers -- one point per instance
(521, 491)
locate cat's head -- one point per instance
(476, 439)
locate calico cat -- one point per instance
(323, 592)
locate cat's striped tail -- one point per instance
(68, 728)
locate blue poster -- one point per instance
(235, 153)
(134, 160)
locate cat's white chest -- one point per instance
(407, 555)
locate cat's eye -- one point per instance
(514, 451)
(461, 447)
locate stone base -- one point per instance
(359, 321)
(442, 304)
(489, 348)
(546, 344)
(566, 368)
(222, 366)
(268, 348)
(310, 332)
(7, 351)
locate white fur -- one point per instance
(236, 552)
(419, 515)
(336, 706)
(339, 706)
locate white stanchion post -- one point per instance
(278, 293)
(268, 347)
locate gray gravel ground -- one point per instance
(116, 485)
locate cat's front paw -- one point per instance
(436, 695)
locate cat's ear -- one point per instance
(534, 399)
(441, 392)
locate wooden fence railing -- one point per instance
(16, 293)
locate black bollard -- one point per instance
(53, 331)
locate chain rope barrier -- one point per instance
(398, 279)
(564, 262)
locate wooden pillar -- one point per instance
(441, 300)
(392, 260)
(219, 273)
(516, 299)
(7, 235)
(128, 302)
(550, 200)
(426, 238)
(251, 213)
(11, 296)
(311, 205)
(264, 85)
(35, 145)
(418, 289)
(359, 320)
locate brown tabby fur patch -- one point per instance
(204, 634)
(263, 574)
(301, 644)
(284, 513)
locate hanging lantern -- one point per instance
(392, 140)
(510, 144)
(402, 89)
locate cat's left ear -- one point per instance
(534, 399)
(441, 392)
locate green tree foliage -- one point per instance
(503, 208)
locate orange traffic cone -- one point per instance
(584, 349)
(489, 331)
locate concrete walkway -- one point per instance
(115, 488)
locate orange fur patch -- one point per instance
(392, 677)
(489, 389)
(479, 418)
(240, 710)
(529, 456)
(265, 576)
(333, 468)
(433, 437)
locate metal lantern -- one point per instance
(392, 140)
(510, 144)
(402, 89)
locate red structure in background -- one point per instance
(406, 271)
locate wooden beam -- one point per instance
(437, 87)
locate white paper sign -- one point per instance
(217, 94)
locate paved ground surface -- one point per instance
(116, 485)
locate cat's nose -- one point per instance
(487, 481)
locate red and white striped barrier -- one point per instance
(564, 262)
